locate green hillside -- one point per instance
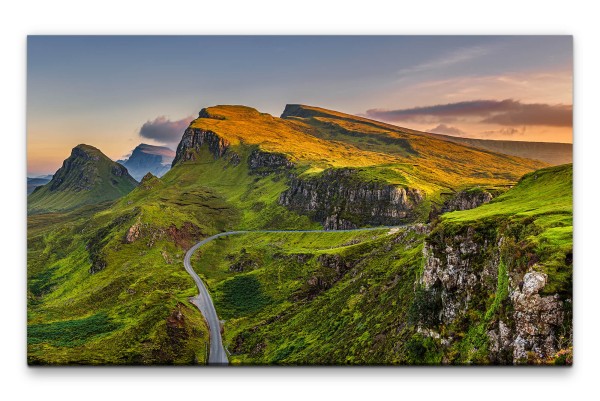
(348, 298)
(106, 282)
(87, 176)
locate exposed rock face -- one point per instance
(340, 200)
(336, 263)
(462, 200)
(133, 233)
(537, 319)
(264, 163)
(462, 270)
(242, 262)
(193, 139)
(184, 237)
(456, 271)
(465, 200)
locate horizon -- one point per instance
(116, 92)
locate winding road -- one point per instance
(217, 354)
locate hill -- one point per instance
(87, 176)
(148, 159)
(106, 283)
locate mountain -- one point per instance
(87, 176)
(483, 246)
(148, 159)
(548, 152)
(34, 182)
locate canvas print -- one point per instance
(299, 200)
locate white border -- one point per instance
(19, 19)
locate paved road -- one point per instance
(217, 354)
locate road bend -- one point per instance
(217, 354)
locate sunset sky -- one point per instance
(115, 92)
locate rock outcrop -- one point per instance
(194, 138)
(264, 163)
(462, 200)
(536, 317)
(468, 283)
(465, 200)
(183, 237)
(339, 199)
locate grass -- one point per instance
(71, 332)
(241, 295)
(544, 193)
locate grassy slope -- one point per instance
(117, 315)
(288, 308)
(275, 313)
(104, 185)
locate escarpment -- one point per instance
(339, 199)
(194, 138)
(465, 200)
(264, 163)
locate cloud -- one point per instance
(447, 130)
(164, 130)
(459, 56)
(501, 112)
(535, 114)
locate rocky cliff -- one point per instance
(264, 163)
(487, 298)
(465, 200)
(339, 199)
(193, 139)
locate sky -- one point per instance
(115, 92)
